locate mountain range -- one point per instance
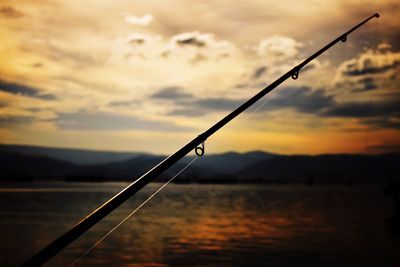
(30, 163)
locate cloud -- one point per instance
(10, 12)
(371, 70)
(8, 120)
(140, 39)
(141, 21)
(367, 84)
(106, 121)
(382, 114)
(384, 122)
(278, 48)
(386, 148)
(172, 93)
(197, 46)
(315, 64)
(3, 104)
(370, 62)
(37, 65)
(192, 47)
(137, 39)
(18, 89)
(260, 71)
(384, 47)
(364, 84)
(188, 112)
(187, 105)
(217, 104)
(123, 103)
(192, 39)
(349, 110)
(302, 99)
(201, 107)
(34, 110)
(382, 108)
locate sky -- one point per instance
(150, 76)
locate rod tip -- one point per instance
(377, 15)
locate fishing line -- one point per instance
(97, 215)
(247, 116)
(268, 98)
(131, 214)
(370, 93)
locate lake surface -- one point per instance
(204, 225)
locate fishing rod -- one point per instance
(197, 144)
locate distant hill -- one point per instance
(17, 167)
(325, 169)
(20, 166)
(25, 163)
(78, 156)
(230, 162)
(126, 170)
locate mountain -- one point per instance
(106, 165)
(18, 167)
(34, 163)
(78, 156)
(230, 162)
(325, 169)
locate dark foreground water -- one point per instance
(204, 225)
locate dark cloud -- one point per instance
(18, 89)
(218, 104)
(203, 106)
(172, 93)
(382, 114)
(191, 40)
(303, 99)
(384, 122)
(123, 103)
(105, 121)
(188, 112)
(258, 85)
(10, 12)
(357, 86)
(46, 96)
(34, 110)
(259, 72)
(7, 120)
(364, 85)
(385, 148)
(37, 65)
(351, 110)
(137, 40)
(379, 114)
(3, 104)
(310, 66)
(187, 105)
(368, 68)
(364, 109)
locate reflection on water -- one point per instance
(205, 225)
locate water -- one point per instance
(204, 225)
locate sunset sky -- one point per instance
(151, 75)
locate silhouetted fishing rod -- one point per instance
(196, 144)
